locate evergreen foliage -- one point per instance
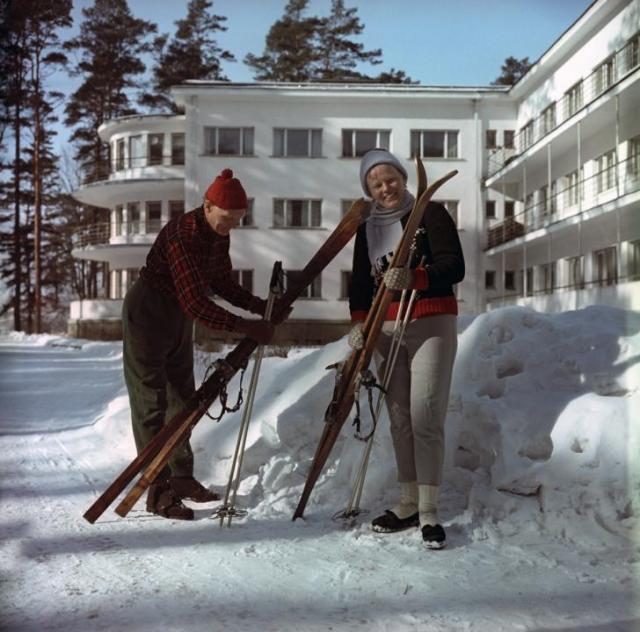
(512, 71)
(290, 53)
(110, 44)
(193, 53)
(339, 54)
(302, 48)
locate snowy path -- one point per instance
(265, 573)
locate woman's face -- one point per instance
(386, 185)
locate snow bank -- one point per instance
(539, 435)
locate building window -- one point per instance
(177, 149)
(120, 154)
(155, 148)
(573, 99)
(345, 283)
(633, 52)
(118, 220)
(345, 206)
(228, 141)
(508, 136)
(605, 74)
(136, 155)
(435, 143)
(491, 139)
(634, 260)
(509, 280)
(244, 278)
(490, 279)
(357, 142)
(297, 143)
(548, 119)
(154, 214)
(247, 220)
(575, 272)
(571, 188)
(527, 135)
(176, 208)
(606, 261)
(509, 208)
(312, 291)
(490, 209)
(133, 217)
(529, 279)
(633, 168)
(452, 207)
(548, 277)
(606, 171)
(297, 213)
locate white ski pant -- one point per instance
(418, 394)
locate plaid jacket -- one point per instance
(187, 261)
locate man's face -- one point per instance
(223, 220)
(386, 185)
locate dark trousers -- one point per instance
(158, 367)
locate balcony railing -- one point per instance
(95, 172)
(570, 201)
(604, 77)
(112, 233)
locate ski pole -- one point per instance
(229, 510)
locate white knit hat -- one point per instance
(374, 158)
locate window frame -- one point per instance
(213, 141)
(314, 142)
(417, 142)
(284, 210)
(350, 136)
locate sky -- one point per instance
(436, 42)
(540, 495)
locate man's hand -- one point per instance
(259, 330)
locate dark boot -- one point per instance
(189, 488)
(390, 523)
(163, 501)
(433, 537)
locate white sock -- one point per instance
(428, 504)
(408, 504)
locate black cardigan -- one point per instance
(437, 240)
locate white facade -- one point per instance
(522, 154)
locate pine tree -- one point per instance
(193, 53)
(44, 55)
(512, 71)
(291, 52)
(111, 44)
(339, 55)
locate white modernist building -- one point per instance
(547, 196)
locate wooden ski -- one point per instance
(359, 359)
(158, 451)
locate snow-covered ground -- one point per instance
(541, 498)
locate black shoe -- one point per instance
(164, 502)
(433, 537)
(188, 488)
(390, 523)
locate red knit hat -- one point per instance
(226, 192)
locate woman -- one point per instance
(418, 392)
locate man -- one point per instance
(189, 258)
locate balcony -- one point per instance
(107, 184)
(573, 201)
(607, 75)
